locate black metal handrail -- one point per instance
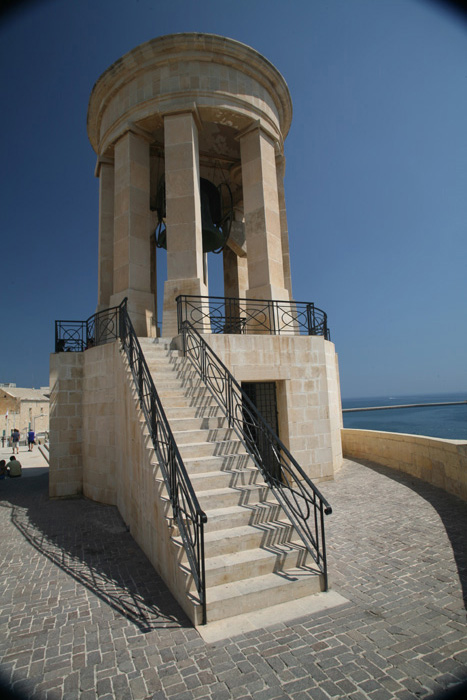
(190, 519)
(301, 500)
(251, 316)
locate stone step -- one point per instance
(188, 392)
(163, 363)
(200, 423)
(218, 463)
(163, 380)
(244, 537)
(210, 449)
(220, 498)
(206, 481)
(201, 404)
(153, 352)
(237, 597)
(182, 437)
(235, 516)
(206, 410)
(249, 563)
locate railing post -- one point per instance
(87, 336)
(122, 310)
(140, 379)
(203, 362)
(173, 481)
(272, 321)
(179, 312)
(309, 320)
(202, 573)
(323, 546)
(153, 419)
(130, 350)
(229, 402)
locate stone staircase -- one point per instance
(253, 557)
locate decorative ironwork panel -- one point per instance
(70, 336)
(251, 316)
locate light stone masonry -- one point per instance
(442, 463)
(197, 105)
(304, 367)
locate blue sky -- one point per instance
(376, 180)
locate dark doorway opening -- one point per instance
(263, 396)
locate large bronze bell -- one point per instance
(216, 215)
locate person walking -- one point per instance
(15, 436)
(31, 440)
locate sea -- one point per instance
(448, 422)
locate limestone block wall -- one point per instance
(99, 409)
(308, 393)
(66, 424)
(442, 463)
(141, 494)
(110, 458)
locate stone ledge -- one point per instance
(440, 462)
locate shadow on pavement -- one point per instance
(90, 542)
(451, 509)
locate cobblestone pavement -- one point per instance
(83, 614)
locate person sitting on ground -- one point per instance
(14, 467)
(3, 469)
(31, 440)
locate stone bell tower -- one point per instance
(177, 110)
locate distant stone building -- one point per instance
(23, 408)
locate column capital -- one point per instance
(260, 128)
(102, 160)
(193, 110)
(280, 164)
(131, 127)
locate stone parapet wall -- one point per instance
(442, 463)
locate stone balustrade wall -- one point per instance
(442, 463)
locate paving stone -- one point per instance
(88, 617)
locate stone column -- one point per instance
(280, 167)
(184, 232)
(262, 219)
(105, 173)
(132, 230)
(235, 274)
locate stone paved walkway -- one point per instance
(83, 614)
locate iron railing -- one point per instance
(301, 500)
(98, 329)
(190, 519)
(251, 316)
